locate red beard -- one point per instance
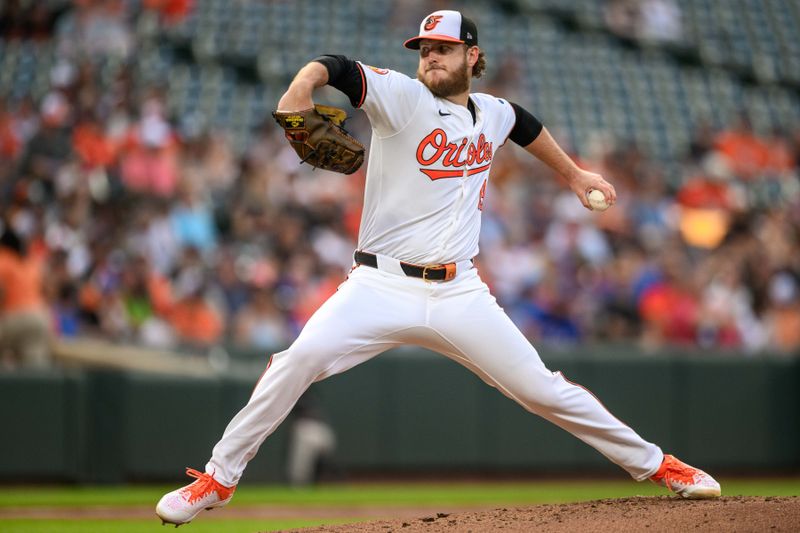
(455, 83)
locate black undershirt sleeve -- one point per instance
(526, 128)
(346, 75)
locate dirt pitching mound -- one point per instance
(666, 513)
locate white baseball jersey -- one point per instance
(428, 168)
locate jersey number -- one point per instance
(483, 194)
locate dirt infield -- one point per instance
(732, 514)
(737, 514)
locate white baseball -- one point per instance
(597, 200)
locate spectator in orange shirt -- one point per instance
(24, 329)
(195, 321)
(744, 152)
(91, 144)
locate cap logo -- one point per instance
(469, 35)
(431, 22)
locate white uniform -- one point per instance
(426, 177)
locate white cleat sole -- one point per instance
(703, 494)
(176, 523)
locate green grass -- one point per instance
(378, 494)
(388, 493)
(143, 526)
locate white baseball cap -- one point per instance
(445, 25)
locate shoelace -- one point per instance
(204, 485)
(681, 472)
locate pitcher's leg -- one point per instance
(354, 325)
(287, 377)
(480, 335)
(370, 313)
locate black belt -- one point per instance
(428, 273)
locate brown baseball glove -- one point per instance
(319, 138)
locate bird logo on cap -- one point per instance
(431, 22)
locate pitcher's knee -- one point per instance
(542, 400)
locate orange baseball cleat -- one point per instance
(182, 505)
(688, 481)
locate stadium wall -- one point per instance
(406, 411)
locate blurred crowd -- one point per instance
(122, 221)
(647, 21)
(711, 261)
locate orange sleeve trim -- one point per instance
(363, 85)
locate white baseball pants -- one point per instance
(374, 311)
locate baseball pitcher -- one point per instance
(413, 282)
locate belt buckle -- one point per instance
(425, 274)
